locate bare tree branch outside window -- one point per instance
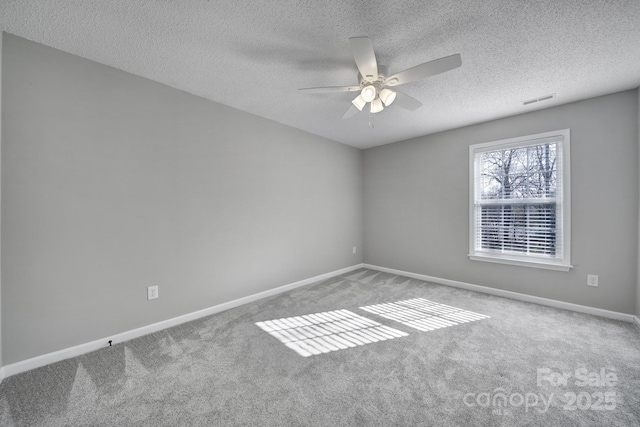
(517, 209)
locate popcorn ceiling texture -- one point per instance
(254, 56)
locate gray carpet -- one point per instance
(498, 363)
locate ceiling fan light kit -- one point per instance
(374, 79)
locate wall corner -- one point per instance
(1, 369)
(638, 183)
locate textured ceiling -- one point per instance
(254, 55)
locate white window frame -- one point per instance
(561, 263)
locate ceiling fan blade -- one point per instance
(330, 89)
(407, 102)
(352, 111)
(425, 70)
(365, 57)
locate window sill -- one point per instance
(547, 265)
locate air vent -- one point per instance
(542, 98)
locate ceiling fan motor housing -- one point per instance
(376, 85)
(383, 71)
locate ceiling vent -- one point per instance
(542, 98)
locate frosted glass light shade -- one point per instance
(359, 102)
(387, 96)
(376, 105)
(368, 93)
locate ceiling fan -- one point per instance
(375, 82)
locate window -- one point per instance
(520, 201)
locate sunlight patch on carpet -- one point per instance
(319, 333)
(424, 315)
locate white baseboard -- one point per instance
(512, 295)
(67, 353)
(636, 321)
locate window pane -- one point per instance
(519, 173)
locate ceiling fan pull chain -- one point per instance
(371, 120)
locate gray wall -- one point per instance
(112, 183)
(1, 37)
(638, 259)
(416, 199)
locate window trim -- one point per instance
(559, 264)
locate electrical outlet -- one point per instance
(592, 280)
(355, 250)
(152, 292)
